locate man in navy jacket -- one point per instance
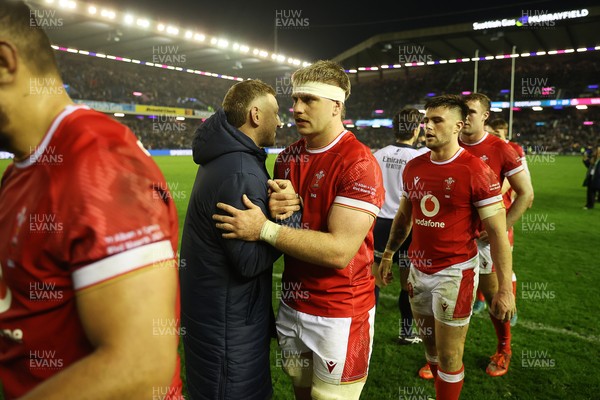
(226, 307)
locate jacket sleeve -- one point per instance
(249, 259)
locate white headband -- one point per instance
(325, 90)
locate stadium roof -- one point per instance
(94, 29)
(567, 31)
(80, 29)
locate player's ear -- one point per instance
(254, 115)
(337, 108)
(8, 62)
(458, 127)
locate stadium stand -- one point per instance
(555, 130)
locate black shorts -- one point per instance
(381, 233)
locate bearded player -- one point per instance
(88, 239)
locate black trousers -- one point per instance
(591, 196)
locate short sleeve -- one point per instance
(484, 185)
(511, 161)
(121, 214)
(361, 186)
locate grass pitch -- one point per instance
(556, 343)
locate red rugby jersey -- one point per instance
(346, 174)
(87, 206)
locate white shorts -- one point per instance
(448, 295)
(341, 347)
(486, 266)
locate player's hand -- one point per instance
(503, 305)
(375, 271)
(283, 199)
(483, 236)
(385, 271)
(240, 224)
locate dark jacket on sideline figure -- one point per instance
(592, 176)
(226, 309)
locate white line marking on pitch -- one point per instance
(534, 326)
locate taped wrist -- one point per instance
(269, 232)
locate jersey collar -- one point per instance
(329, 146)
(485, 135)
(33, 157)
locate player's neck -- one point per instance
(445, 153)
(322, 139)
(470, 139)
(28, 135)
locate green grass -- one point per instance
(556, 343)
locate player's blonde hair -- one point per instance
(324, 71)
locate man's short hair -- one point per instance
(481, 98)
(238, 98)
(498, 123)
(405, 122)
(450, 101)
(18, 26)
(324, 71)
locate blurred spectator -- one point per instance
(592, 177)
(559, 131)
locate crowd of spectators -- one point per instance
(98, 79)
(562, 131)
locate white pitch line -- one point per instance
(533, 326)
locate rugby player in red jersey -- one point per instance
(506, 164)
(89, 303)
(499, 127)
(447, 193)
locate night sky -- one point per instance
(322, 29)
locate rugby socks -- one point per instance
(502, 333)
(449, 384)
(433, 364)
(405, 314)
(480, 295)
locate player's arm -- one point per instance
(399, 231)
(335, 248)
(129, 358)
(521, 184)
(505, 186)
(249, 259)
(493, 217)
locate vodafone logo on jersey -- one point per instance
(430, 206)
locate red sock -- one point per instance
(503, 334)
(480, 295)
(432, 361)
(449, 384)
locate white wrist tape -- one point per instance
(320, 89)
(269, 232)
